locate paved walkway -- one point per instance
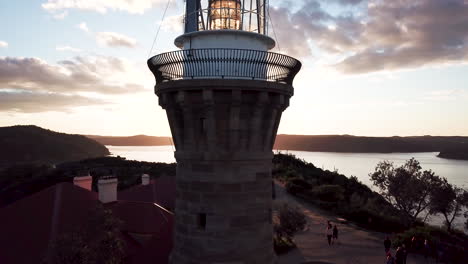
(356, 246)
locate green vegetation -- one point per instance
(128, 172)
(288, 222)
(452, 244)
(407, 191)
(449, 201)
(32, 144)
(331, 191)
(407, 187)
(414, 192)
(98, 241)
(20, 181)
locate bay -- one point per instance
(356, 164)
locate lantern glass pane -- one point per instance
(225, 14)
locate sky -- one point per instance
(370, 68)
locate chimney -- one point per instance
(145, 179)
(84, 182)
(107, 189)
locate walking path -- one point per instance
(356, 246)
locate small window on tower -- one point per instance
(202, 221)
(203, 124)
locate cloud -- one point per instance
(3, 44)
(102, 75)
(102, 6)
(384, 35)
(67, 48)
(173, 24)
(83, 26)
(110, 39)
(291, 39)
(60, 16)
(35, 102)
(348, 2)
(113, 39)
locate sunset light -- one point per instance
(234, 131)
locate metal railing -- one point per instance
(224, 64)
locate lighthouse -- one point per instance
(224, 93)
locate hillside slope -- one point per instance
(32, 144)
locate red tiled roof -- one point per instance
(158, 249)
(161, 191)
(27, 226)
(136, 216)
(147, 230)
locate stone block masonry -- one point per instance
(223, 133)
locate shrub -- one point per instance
(97, 241)
(297, 185)
(372, 220)
(290, 221)
(329, 206)
(452, 243)
(282, 245)
(328, 193)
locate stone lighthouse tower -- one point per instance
(224, 94)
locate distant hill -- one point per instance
(32, 144)
(139, 140)
(450, 146)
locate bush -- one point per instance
(297, 185)
(98, 241)
(329, 206)
(372, 220)
(452, 244)
(334, 192)
(328, 193)
(282, 245)
(290, 221)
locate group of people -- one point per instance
(401, 253)
(332, 233)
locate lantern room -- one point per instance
(225, 14)
(244, 15)
(225, 39)
(226, 24)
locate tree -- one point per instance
(449, 201)
(466, 219)
(407, 187)
(97, 242)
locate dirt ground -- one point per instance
(355, 245)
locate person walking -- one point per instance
(329, 232)
(387, 244)
(405, 253)
(390, 259)
(427, 248)
(335, 234)
(399, 256)
(414, 246)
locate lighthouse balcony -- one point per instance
(224, 63)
